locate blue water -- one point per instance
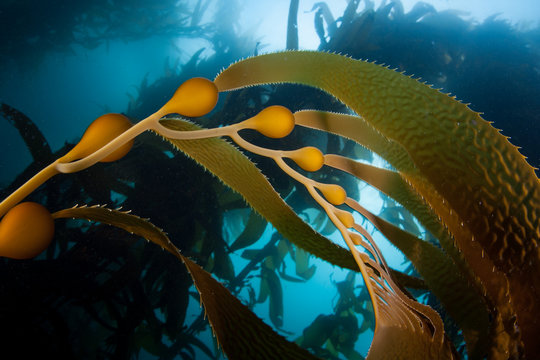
(62, 86)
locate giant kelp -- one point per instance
(87, 297)
(482, 62)
(512, 253)
(402, 119)
(209, 252)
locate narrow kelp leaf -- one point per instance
(445, 278)
(442, 277)
(235, 170)
(491, 193)
(120, 219)
(359, 130)
(401, 186)
(240, 332)
(426, 205)
(410, 188)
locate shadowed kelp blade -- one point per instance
(32, 136)
(239, 331)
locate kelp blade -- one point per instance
(429, 208)
(32, 136)
(427, 123)
(445, 278)
(239, 331)
(483, 178)
(235, 170)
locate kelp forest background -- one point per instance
(101, 293)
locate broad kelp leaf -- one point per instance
(414, 325)
(147, 340)
(328, 335)
(33, 138)
(250, 254)
(239, 331)
(490, 195)
(303, 269)
(408, 281)
(400, 217)
(402, 187)
(282, 249)
(252, 232)
(322, 223)
(223, 267)
(404, 110)
(275, 306)
(264, 291)
(235, 170)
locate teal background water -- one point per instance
(65, 63)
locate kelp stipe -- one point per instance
(448, 187)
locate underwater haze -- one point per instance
(102, 293)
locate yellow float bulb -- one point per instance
(195, 97)
(275, 122)
(100, 132)
(345, 218)
(333, 193)
(308, 158)
(25, 231)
